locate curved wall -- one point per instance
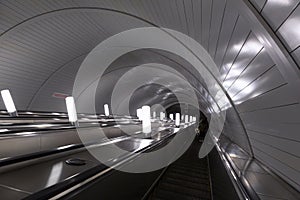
(42, 44)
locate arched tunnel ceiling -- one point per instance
(129, 61)
(43, 43)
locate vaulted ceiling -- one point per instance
(255, 48)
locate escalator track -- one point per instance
(185, 179)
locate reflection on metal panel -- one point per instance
(276, 12)
(42, 55)
(255, 175)
(55, 174)
(289, 30)
(258, 3)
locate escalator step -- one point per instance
(190, 168)
(155, 198)
(186, 177)
(169, 195)
(194, 164)
(199, 174)
(184, 190)
(203, 186)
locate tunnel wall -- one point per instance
(283, 18)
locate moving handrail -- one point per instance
(32, 121)
(10, 128)
(60, 115)
(61, 149)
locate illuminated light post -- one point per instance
(146, 119)
(9, 103)
(186, 119)
(177, 120)
(162, 115)
(106, 110)
(71, 108)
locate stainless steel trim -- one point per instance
(241, 191)
(130, 157)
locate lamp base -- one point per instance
(13, 114)
(76, 124)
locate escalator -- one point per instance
(52, 177)
(185, 179)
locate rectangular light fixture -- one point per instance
(106, 110)
(71, 108)
(9, 103)
(177, 119)
(171, 116)
(186, 119)
(146, 119)
(161, 115)
(194, 119)
(154, 115)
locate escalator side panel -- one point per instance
(117, 185)
(222, 186)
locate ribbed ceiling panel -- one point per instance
(42, 44)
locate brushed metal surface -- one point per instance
(41, 49)
(258, 3)
(12, 194)
(296, 55)
(266, 184)
(288, 30)
(54, 170)
(258, 176)
(45, 174)
(276, 12)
